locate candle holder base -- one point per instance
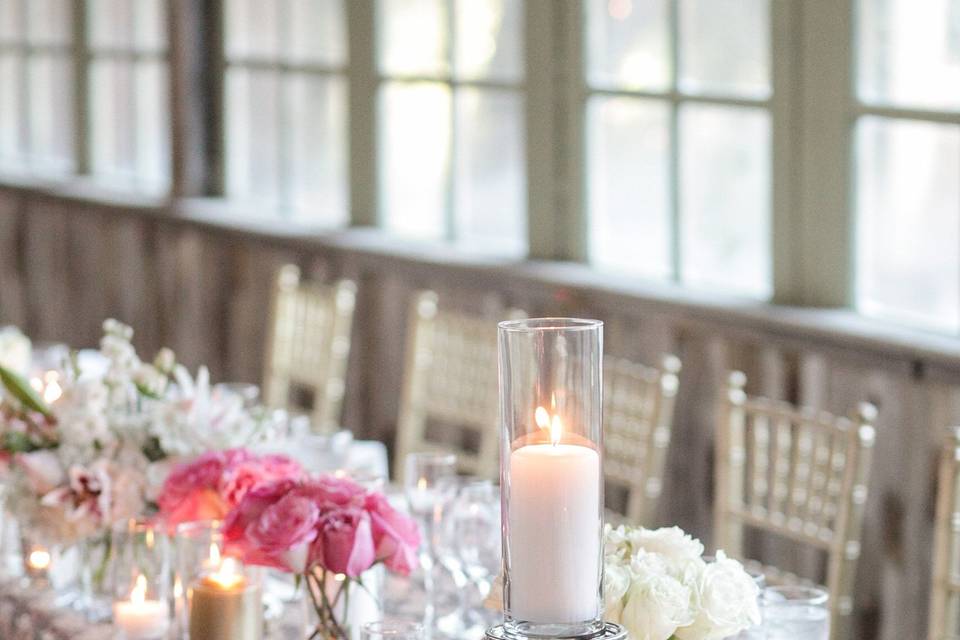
(610, 631)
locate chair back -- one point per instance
(945, 592)
(450, 399)
(638, 403)
(798, 473)
(308, 346)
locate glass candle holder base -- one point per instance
(609, 631)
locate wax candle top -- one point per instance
(227, 577)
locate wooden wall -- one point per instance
(66, 263)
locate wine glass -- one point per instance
(475, 520)
(391, 630)
(430, 483)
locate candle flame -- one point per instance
(52, 390)
(139, 593)
(37, 384)
(214, 554)
(544, 421)
(39, 559)
(422, 484)
(229, 575)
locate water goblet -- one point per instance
(429, 484)
(392, 630)
(795, 613)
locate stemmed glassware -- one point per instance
(430, 483)
(471, 550)
(795, 613)
(391, 630)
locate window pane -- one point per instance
(11, 19)
(113, 145)
(415, 158)
(252, 135)
(725, 47)
(252, 29)
(909, 52)
(317, 32)
(908, 221)
(489, 39)
(153, 129)
(413, 37)
(151, 25)
(51, 113)
(490, 180)
(317, 116)
(111, 23)
(628, 44)
(10, 107)
(725, 198)
(629, 184)
(49, 21)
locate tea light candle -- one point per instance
(554, 536)
(224, 605)
(139, 618)
(38, 562)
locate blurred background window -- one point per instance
(907, 159)
(37, 127)
(452, 161)
(679, 141)
(286, 108)
(129, 93)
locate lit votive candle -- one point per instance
(225, 605)
(139, 618)
(38, 562)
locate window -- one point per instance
(286, 107)
(907, 159)
(129, 121)
(36, 97)
(678, 140)
(451, 108)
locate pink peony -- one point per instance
(396, 536)
(345, 543)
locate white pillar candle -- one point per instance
(139, 618)
(554, 533)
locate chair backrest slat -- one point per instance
(308, 346)
(945, 591)
(796, 473)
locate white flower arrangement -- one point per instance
(98, 450)
(658, 586)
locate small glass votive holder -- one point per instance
(795, 612)
(217, 596)
(392, 630)
(140, 580)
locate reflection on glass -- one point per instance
(628, 185)
(725, 198)
(317, 130)
(628, 44)
(253, 138)
(317, 31)
(51, 115)
(490, 176)
(909, 52)
(725, 47)
(252, 28)
(413, 37)
(415, 156)
(489, 39)
(908, 221)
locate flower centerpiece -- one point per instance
(329, 531)
(658, 586)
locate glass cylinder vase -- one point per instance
(551, 398)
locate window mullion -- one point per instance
(364, 121)
(676, 230)
(826, 246)
(452, 232)
(81, 88)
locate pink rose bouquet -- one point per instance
(318, 528)
(210, 486)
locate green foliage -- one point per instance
(20, 389)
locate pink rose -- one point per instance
(330, 492)
(186, 479)
(254, 503)
(284, 531)
(239, 478)
(42, 469)
(395, 535)
(345, 543)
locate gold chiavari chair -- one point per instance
(638, 408)
(450, 398)
(797, 473)
(307, 347)
(945, 592)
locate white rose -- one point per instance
(14, 350)
(165, 360)
(656, 605)
(727, 599)
(616, 583)
(670, 542)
